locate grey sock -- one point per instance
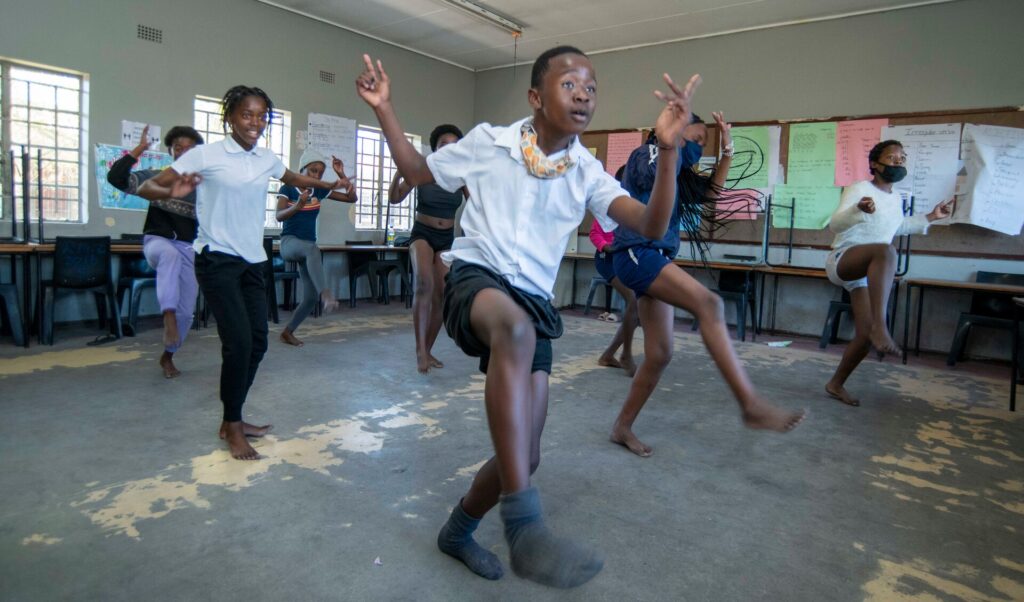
(456, 540)
(539, 555)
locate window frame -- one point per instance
(56, 191)
(373, 182)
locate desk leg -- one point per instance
(775, 301)
(26, 294)
(906, 318)
(917, 332)
(760, 304)
(892, 310)
(1014, 358)
(572, 300)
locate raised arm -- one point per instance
(651, 220)
(119, 174)
(168, 184)
(347, 193)
(722, 170)
(399, 189)
(286, 209)
(374, 87)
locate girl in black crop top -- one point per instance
(432, 233)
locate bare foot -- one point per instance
(435, 363)
(839, 392)
(170, 329)
(765, 416)
(329, 301)
(609, 361)
(624, 436)
(628, 365)
(423, 364)
(238, 445)
(882, 342)
(289, 338)
(250, 430)
(170, 370)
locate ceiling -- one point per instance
(441, 31)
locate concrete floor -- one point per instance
(115, 486)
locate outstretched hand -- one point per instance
(338, 166)
(724, 128)
(942, 210)
(676, 115)
(373, 84)
(143, 144)
(185, 185)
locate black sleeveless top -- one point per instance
(437, 202)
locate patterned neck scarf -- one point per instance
(537, 163)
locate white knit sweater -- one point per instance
(854, 227)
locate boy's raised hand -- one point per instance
(676, 115)
(373, 85)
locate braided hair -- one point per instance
(235, 95)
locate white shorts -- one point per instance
(831, 267)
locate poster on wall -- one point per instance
(992, 193)
(932, 161)
(332, 135)
(112, 198)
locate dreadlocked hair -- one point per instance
(235, 95)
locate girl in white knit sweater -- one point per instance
(863, 260)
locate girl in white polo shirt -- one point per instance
(863, 260)
(230, 178)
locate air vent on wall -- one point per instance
(150, 34)
(327, 77)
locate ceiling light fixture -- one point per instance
(485, 14)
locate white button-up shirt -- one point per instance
(231, 200)
(515, 224)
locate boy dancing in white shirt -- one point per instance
(529, 186)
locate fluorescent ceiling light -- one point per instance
(485, 14)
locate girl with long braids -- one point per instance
(645, 265)
(230, 180)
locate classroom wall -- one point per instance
(947, 56)
(208, 47)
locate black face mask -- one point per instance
(892, 173)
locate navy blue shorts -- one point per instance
(637, 267)
(603, 263)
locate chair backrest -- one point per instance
(136, 267)
(733, 282)
(357, 259)
(995, 305)
(81, 261)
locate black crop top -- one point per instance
(438, 202)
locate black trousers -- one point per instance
(236, 294)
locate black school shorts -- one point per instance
(462, 284)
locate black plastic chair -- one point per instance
(136, 276)
(738, 288)
(359, 264)
(82, 264)
(275, 271)
(836, 309)
(10, 313)
(990, 310)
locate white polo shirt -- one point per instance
(515, 224)
(231, 200)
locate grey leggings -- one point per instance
(311, 269)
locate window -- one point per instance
(207, 122)
(43, 115)
(374, 172)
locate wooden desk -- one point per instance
(922, 284)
